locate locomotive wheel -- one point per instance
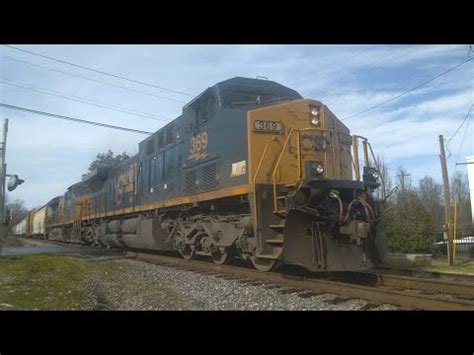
(89, 235)
(220, 255)
(188, 251)
(262, 264)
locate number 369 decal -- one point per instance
(199, 143)
(198, 146)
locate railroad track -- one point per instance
(426, 274)
(382, 293)
(406, 292)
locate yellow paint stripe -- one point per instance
(205, 196)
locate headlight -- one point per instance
(315, 119)
(318, 168)
(371, 176)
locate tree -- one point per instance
(403, 183)
(18, 211)
(410, 226)
(106, 160)
(385, 181)
(460, 193)
(430, 194)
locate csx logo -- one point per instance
(315, 143)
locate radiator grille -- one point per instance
(190, 182)
(201, 179)
(208, 177)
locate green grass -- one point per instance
(58, 282)
(41, 282)
(441, 265)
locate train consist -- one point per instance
(249, 170)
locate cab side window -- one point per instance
(202, 110)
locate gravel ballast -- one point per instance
(150, 287)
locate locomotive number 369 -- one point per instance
(199, 143)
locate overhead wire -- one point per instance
(462, 141)
(370, 68)
(98, 71)
(84, 100)
(325, 89)
(328, 77)
(407, 91)
(93, 80)
(68, 118)
(464, 120)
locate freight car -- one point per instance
(250, 170)
(33, 225)
(25, 226)
(20, 228)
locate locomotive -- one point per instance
(249, 170)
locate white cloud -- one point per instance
(52, 154)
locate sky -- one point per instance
(50, 154)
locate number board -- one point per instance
(267, 126)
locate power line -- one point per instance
(67, 118)
(462, 141)
(407, 91)
(329, 76)
(464, 120)
(84, 101)
(325, 91)
(94, 80)
(370, 68)
(98, 71)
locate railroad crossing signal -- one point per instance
(14, 182)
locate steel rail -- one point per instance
(425, 274)
(405, 300)
(423, 284)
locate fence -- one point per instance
(464, 248)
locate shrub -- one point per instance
(409, 227)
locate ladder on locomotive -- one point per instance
(281, 194)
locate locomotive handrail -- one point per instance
(355, 148)
(261, 158)
(378, 169)
(355, 155)
(275, 202)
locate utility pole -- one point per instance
(447, 201)
(3, 171)
(402, 175)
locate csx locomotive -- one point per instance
(249, 170)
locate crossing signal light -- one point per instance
(14, 182)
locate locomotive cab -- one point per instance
(312, 211)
